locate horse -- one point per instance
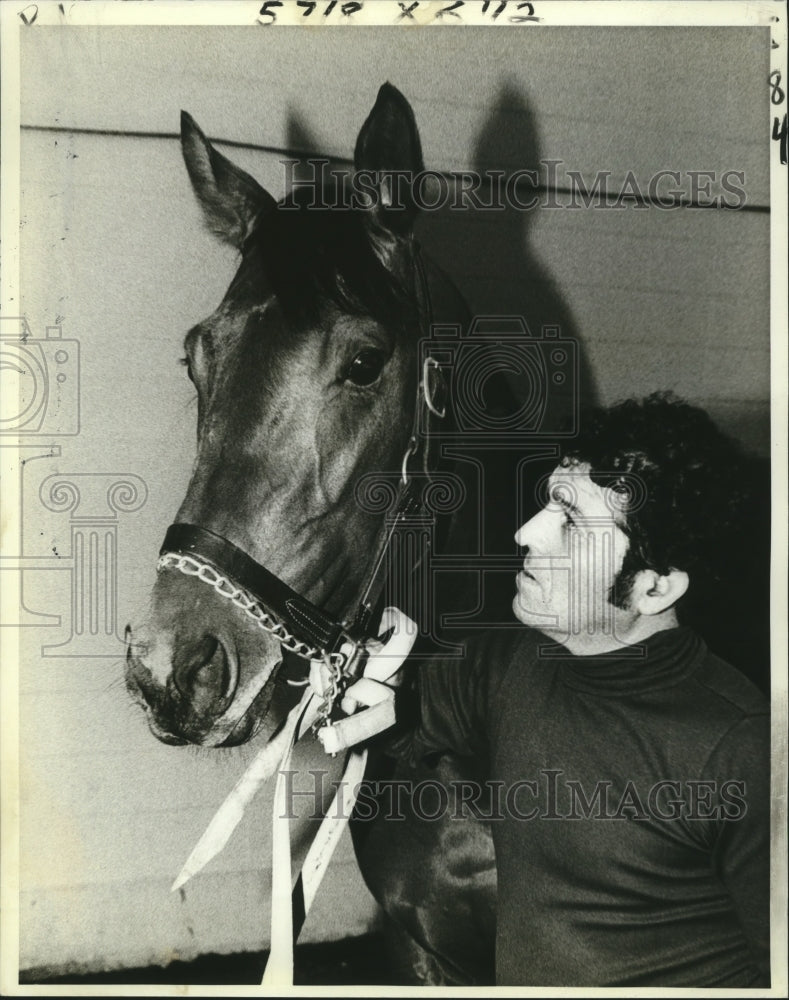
(308, 378)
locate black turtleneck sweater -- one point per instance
(631, 823)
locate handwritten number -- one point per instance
(26, 16)
(354, 6)
(266, 11)
(777, 96)
(500, 9)
(524, 18)
(451, 10)
(309, 8)
(779, 135)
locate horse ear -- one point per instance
(389, 142)
(231, 200)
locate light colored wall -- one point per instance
(113, 248)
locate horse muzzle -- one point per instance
(195, 702)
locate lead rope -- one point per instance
(284, 900)
(371, 690)
(279, 968)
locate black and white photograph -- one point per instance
(394, 471)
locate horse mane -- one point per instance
(314, 258)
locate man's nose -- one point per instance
(534, 530)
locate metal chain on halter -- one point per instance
(191, 566)
(337, 673)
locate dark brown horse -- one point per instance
(307, 378)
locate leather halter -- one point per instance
(301, 626)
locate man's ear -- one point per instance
(652, 593)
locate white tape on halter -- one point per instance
(371, 689)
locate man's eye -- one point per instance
(366, 367)
(188, 366)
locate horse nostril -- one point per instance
(203, 674)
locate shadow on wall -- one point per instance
(492, 259)
(502, 274)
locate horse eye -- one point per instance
(366, 367)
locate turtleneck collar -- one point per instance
(662, 660)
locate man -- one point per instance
(630, 765)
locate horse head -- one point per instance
(306, 379)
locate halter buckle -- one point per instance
(412, 448)
(427, 392)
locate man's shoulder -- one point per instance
(727, 690)
(504, 642)
(733, 725)
(724, 716)
(501, 648)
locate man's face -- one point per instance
(573, 550)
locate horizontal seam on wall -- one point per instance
(345, 161)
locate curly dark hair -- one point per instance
(691, 478)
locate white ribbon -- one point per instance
(263, 766)
(372, 691)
